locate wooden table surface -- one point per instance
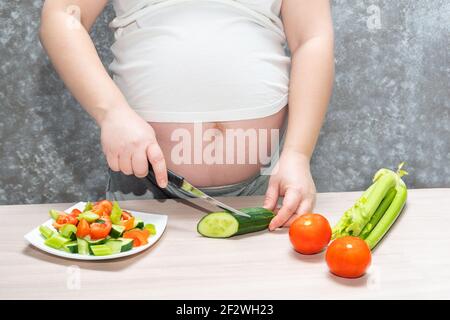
(413, 261)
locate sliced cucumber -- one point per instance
(95, 242)
(226, 224)
(116, 231)
(46, 231)
(56, 241)
(68, 231)
(127, 244)
(138, 223)
(89, 216)
(83, 247)
(115, 245)
(101, 250)
(71, 247)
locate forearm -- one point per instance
(311, 82)
(75, 58)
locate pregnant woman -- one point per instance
(185, 69)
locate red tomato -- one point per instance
(100, 230)
(125, 216)
(65, 219)
(139, 237)
(75, 213)
(128, 224)
(103, 208)
(310, 233)
(348, 257)
(83, 229)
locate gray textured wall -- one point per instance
(390, 103)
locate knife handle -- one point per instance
(173, 178)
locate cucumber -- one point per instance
(227, 224)
(114, 245)
(89, 216)
(95, 242)
(56, 241)
(127, 244)
(68, 231)
(83, 247)
(71, 247)
(46, 232)
(116, 231)
(101, 250)
(138, 223)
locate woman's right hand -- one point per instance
(129, 143)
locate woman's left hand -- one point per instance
(291, 179)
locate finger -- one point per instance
(125, 163)
(113, 162)
(156, 158)
(139, 163)
(306, 206)
(290, 204)
(272, 194)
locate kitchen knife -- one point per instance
(181, 183)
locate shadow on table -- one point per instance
(358, 282)
(112, 265)
(309, 258)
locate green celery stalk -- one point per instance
(355, 219)
(88, 207)
(384, 205)
(389, 217)
(116, 213)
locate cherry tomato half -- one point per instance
(75, 213)
(100, 230)
(348, 257)
(310, 233)
(65, 219)
(83, 229)
(103, 208)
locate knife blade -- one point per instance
(181, 183)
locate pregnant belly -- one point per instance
(220, 153)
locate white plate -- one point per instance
(35, 238)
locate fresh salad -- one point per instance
(101, 229)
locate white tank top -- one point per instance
(200, 60)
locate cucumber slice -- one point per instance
(226, 224)
(46, 232)
(127, 244)
(151, 228)
(116, 231)
(115, 245)
(138, 223)
(56, 241)
(101, 250)
(71, 247)
(89, 216)
(83, 247)
(68, 231)
(95, 242)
